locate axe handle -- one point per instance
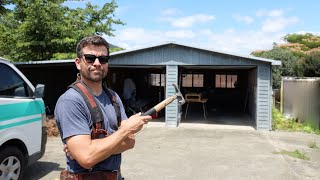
(160, 106)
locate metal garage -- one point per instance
(230, 84)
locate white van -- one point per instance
(23, 134)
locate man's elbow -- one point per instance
(86, 162)
(131, 146)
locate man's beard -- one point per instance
(92, 76)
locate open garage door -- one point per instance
(149, 82)
(219, 94)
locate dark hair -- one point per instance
(91, 40)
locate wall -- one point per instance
(252, 94)
(301, 99)
(264, 96)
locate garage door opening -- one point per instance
(218, 95)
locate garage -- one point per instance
(227, 85)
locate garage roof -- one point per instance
(273, 62)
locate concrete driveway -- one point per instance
(203, 151)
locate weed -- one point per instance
(295, 154)
(280, 122)
(313, 145)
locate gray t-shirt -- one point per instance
(73, 118)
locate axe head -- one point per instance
(178, 94)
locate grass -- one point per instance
(295, 154)
(280, 122)
(313, 145)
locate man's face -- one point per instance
(93, 70)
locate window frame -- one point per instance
(226, 84)
(193, 74)
(20, 83)
(160, 83)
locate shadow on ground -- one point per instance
(40, 169)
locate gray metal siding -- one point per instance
(173, 55)
(178, 55)
(171, 109)
(263, 98)
(252, 94)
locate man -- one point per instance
(75, 123)
(129, 91)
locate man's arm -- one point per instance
(88, 152)
(127, 144)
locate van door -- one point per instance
(21, 120)
(18, 107)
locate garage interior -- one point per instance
(230, 90)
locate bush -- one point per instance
(280, 122)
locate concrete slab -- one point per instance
(203, 151)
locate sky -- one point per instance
(231, 26)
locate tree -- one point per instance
(3, 10)
(309, 40)
(45, 29)
(287, 59)
(311, 65)
(300, 56)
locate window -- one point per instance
(192, 80)
(226, 80)
(11, 84)
(157, 80)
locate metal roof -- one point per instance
(273, 62)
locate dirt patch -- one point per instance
(52, 129)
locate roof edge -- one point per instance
(273, 62)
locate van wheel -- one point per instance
(12, 163)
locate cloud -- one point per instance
(272, 13)
(171, 12)
(278, 24)
(230, 41)
(276, 20)
(129, 38)
(311, 32)
(180, 34)
(188, 21)
(237, 42)
(245, 19)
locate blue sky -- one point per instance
(232, 26)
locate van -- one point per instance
(23, 134)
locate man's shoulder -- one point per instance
(70, 94)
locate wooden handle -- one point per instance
(160, 106)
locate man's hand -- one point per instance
(135, 123)
(88, 152)
(68, 153)
(127, 144)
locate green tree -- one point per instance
(287, 59)
(311, 65)
(299, 55)
(3, 10)
(308, 40)
(45, 29)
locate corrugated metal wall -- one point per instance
(301, 99)
(263, 118)
(175, 55)
(180, 56)
(172, 109)
(252, 93)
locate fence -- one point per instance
(300, 98)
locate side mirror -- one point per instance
(39, 91)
